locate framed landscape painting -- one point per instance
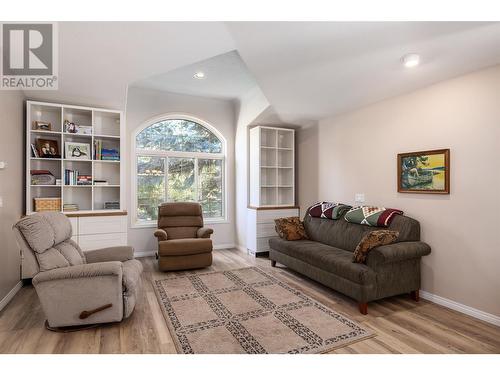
(424, 172)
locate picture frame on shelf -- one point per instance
(42, 125)
(48, 148)
(424, 172)
(77, 151)
(72, 128)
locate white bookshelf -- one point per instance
(272, 184)
(272, 167)
(107, 126)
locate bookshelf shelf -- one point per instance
(106, 127)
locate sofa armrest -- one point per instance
(110, 254)
(161, 235)
(397, 252)
(204, 232)
(80, 271)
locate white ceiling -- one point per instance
(226, 77)
(306, 70)
(309, 71)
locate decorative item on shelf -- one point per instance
(42, 177)
(112, 205)
(34, 151)
(42, 125)
(77, 151)
(101, 182)
(71, 127)
(70, 207)
(47, 204)
(48, 148)
(424, 172)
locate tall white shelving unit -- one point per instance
(272, 183)
(107, 126)
(272, 167)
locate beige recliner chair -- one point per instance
(76, 288)
(183, 242)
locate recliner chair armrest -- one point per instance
(110, 254)
(80, 271)
(161, 235)
(397, 252)
(204, 232)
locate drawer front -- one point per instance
(102, 224)
(98, 241)
(266, 230)
(268, 216)
(74, 225)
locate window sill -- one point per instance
(145, 225)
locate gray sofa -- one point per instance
(327, 258)
(76, 288)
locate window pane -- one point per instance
(150, 186)
(210, 186)
(181, 186)
(178, 135)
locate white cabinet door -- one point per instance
(98, 241)
(102, 224)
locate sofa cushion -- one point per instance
(346, 236)
(185, 246)
(328, 210)
(328, 258)
(372, 240)
(290, 228)
(37, 232)
(372, 216)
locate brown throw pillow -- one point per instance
(290, 228)
(373, 239)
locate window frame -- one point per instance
(136, 152)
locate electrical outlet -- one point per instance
(3, 165)
(1, 202)
(359, 198)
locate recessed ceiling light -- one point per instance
(410, 60)
(199, 75)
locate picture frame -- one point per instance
(70, 127)
(77, 151)
(48, 148)
(424, 172)
(42, 125)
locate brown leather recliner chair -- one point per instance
(183, 242)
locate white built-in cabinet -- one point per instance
(93, 225)
(272, 183)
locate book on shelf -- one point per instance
(112, 205)
(75, 178)
(70, 207)
(101, 153)
(101, 182)
(34, 151)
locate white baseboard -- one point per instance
(151, 253)
(471, 311)
(5, 300)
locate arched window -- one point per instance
(179, 159)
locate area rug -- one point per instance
(249, 311)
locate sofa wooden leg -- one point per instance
(415, 295)
(363, 308)
(273, 263)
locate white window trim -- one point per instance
(135, 222)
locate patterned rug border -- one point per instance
(325, 349)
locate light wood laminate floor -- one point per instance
(402, 325)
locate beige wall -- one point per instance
(145, 104)
(11, 186)
(357, 154)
